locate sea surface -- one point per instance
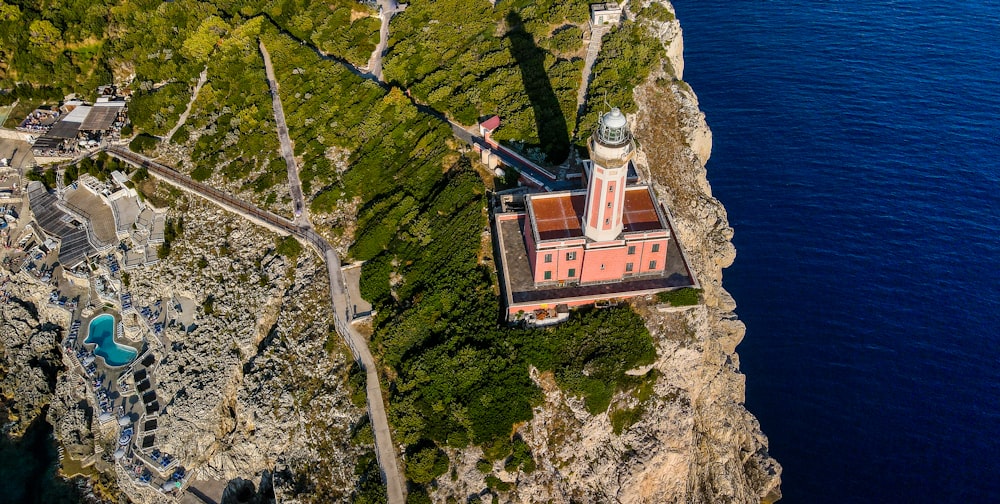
(857, 150)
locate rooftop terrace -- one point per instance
(93, 207)
(559, 215)
(518, 284)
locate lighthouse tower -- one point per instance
(611, 149)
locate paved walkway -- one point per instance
(298, 204)
(384, 448)
(387, 9)
(593, 49)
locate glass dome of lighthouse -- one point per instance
(613, 129)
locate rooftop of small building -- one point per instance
(559, 215)
(605, 6)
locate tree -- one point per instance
(200, 44)
(9, 12)
(44, 35)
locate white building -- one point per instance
(608, 13)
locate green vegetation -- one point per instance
(143, 143)
(622, 419)
(343, 28)
(384, 135)
(423, 464)
(172, 229)
(495, 483)
(520, 457)
(627, 56)
(46, 176)
(369, 489)
(460, 377)
(688, 296)
(99, 167)
(208, 306)
(53, 48)
(452, 55)
(484, 466)
(288, 247)
(657, 12)
(455, 375)
(566, 39)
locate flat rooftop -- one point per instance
(102, 116)
(93, 208)
(640, 211)
(518, 286)
(18, 152)
(74, 245)
(558, 216)
(63, 129)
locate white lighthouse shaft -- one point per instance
(610, 150)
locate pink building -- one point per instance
(611, 240)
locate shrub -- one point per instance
(144, 142)
(289, 247)
(624, 418)
(688, 296)
(497, 484)
(426, 464)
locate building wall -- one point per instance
(529, 245)
(604, 265)
(560, 265)
(588, 262)
(566, 263)
(647, 255)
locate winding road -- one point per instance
(387, 9)
(384, 448)
(302, 229)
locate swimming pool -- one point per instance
(101, 333)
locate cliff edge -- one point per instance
(690, 438)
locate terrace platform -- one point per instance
(519, 291)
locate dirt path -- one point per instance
(202, 79)
(287, 152)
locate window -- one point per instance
(548, 275)
(656, 247)
(652, 265)
(631, 250)
(611, 188)
(609, 204)
(570, 256)
(602, 267)
(572, 272)
(548, 258)
(607, 222)
(628, 267)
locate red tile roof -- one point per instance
(640, 211)
(560, 215)
(491, 123)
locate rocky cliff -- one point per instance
(690, 438)
(252, 387)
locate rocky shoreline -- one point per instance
(258, 390)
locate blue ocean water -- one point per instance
(857, 149)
